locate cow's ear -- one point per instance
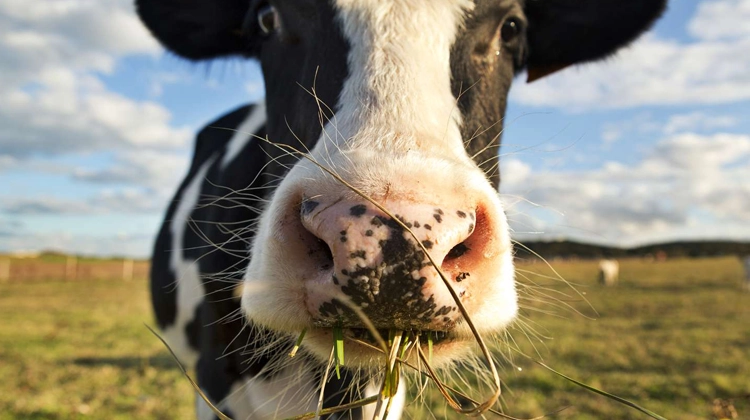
(566, 32)
(198, 29)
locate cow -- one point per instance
(609, 272)
(746, 264)
(328, 208)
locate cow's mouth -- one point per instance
(425, 337)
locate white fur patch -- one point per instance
(397, 404)
(244, 133)
(190, 290)
(288, 393)
(398, 92)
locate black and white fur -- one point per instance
(403, 99)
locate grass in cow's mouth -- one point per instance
(298, 343)
(338, 345)
(430, 337)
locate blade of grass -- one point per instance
(298, 343)
(331, 410)
(604, 393)
(422, 359)
(208, 402)
(429, 346)
(390, 382)
(338, 342)
(323, 381)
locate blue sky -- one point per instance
(96, 128)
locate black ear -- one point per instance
(565, 32)
(197, 29)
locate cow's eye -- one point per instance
(510, 29)
(268, 19)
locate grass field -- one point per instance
(673, 337)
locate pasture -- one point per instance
(672, 336)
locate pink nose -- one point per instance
(380, 266)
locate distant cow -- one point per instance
(400, 104)
(609, 272)
(746, 264)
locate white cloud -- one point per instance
(127, 200)
(651, 72)
(713, 69)
(695, 153)
(698, 120)
(111, 25)
(640, 124)
(159, 79)
(157, 171)
(79, 35)
(72, 113)
(721, 19)
(55, 104)
(44, 205)
(514, 171)
(7, 162)
(136, 182)
(645, 126)
(107, 201)
(689, 185)
(53, 100)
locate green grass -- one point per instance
(671, 337)
(80, 350)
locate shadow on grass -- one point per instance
(160, 361)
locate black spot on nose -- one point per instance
(358, 254)
(308, 206)
(357, 210)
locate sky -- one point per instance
(97, 122)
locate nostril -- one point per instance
(456, 252)
(466, 256)
(318, 249)
(326, 254)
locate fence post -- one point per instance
(127, 269)
(71, 268)
(4, 269)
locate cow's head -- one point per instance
(401, 103)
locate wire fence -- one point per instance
(71, 269)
